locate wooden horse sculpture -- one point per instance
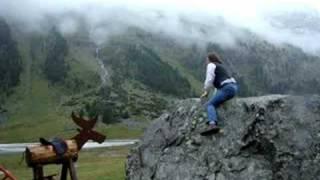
(37, 156)
(7, 174)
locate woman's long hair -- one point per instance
(214, 58)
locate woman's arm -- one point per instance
(210, 75)
(208, 83)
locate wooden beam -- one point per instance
(42, 155)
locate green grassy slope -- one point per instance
(34, 108)
(169, 51)
(37, 108)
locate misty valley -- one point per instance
(135, 73)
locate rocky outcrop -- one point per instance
(269, 137)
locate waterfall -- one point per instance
(103, 71)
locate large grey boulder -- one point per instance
(269, 137)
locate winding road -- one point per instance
(20, 147)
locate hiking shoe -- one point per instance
(211, 129)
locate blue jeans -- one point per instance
(227, 92)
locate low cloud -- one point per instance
(193, 21)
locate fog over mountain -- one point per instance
(188, 21)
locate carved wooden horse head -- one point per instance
(86, 132)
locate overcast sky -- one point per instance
(250, 14)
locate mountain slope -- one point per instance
(145, 72)
(10, 60)
(42, 105)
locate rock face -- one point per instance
(269, 137)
